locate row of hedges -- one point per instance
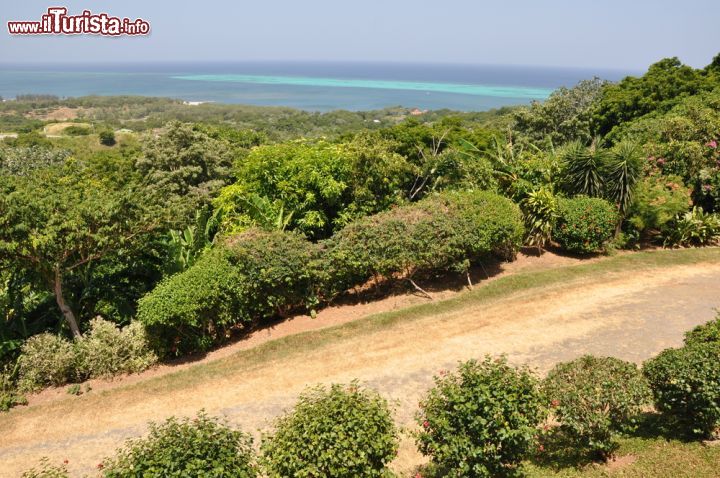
(482, 420)
(444, 232)
(260, 275)
(254, 276)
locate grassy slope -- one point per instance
(297, 345)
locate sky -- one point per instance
(620, 34)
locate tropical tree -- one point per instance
(583, 169)
(565, 116)
(623, 171)
(660, 88)
(187, 245)
(56, 221)
(184, 168)
(315, 187)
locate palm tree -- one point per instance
(584, 169)
(624, 169)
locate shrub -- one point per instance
(254, 276)
(709, 332)
(76, 130)
(9, 395)
(481, 420)
(694, 228)
(446, 231)
(202, 446)
(540, 209)
(595, 398)
(10, 399)
(584, 224)
(107, 137)
(47, 470)
(656, 203)
(46, 359)
(686, 385)
(340, 432)
(107, 350)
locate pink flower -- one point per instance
(712, 144)
(660, 161)
(707, 187)
(426, 424)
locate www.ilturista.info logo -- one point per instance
(57, 22)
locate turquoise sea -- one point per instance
(309, 86)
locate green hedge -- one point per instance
(259, 275)
(595, 399)
(480, 421)
(446, 231)
(254, 276)
(203, 446)
(344, 431)
(584, 224)
(709, 332)
(686, 385)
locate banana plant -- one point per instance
(189, 244)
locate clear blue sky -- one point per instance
(624, 34)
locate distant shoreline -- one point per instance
(308, 87)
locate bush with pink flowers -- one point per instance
(481, 420)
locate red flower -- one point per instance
(426, 424)
(555, 403)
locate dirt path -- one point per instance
(629, 316)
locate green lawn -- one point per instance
(655, 450)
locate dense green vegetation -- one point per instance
(449, 231)
(253, 276)
(187, 225)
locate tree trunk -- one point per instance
(618, 228)
(64, 308)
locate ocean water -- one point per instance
(308, 86)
